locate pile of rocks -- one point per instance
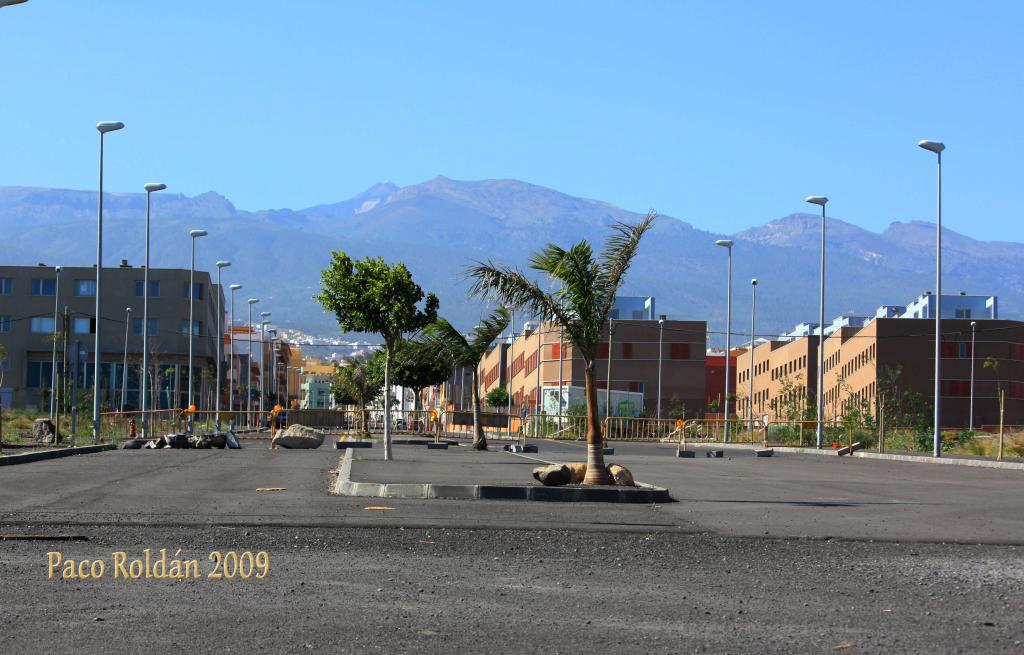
(214, 439)
(557, 475)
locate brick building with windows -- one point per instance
(542, 370)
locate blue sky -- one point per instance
(724, 114)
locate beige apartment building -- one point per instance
(785, 378)
(884, 359)
(541, 369)
(889, 356)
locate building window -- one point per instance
(5, 323)
(154, 288)
(963, 313)
(154, 326)
(197, 292)
(5, 286)
(196, 328)
(627, 351)
(84, 325)
(42, 324)
(85, 288)
(44, 287)
(679, 351)
(38, 375)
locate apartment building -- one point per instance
(892, 353)
(33, 301)
(541, 369)
(892, 356)
(784, 376)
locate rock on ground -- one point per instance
(299, 436)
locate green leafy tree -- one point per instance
(467, 351)
(418, 366)
(358, 381)
(497, 398)
(581, 306)
(372, 296)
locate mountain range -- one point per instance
(441, 225)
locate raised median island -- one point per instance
(461, 473)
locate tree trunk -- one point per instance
(479, 440)
(596, 472)
(387, 404)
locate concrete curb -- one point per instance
(41, 455)
(867, 454)
(344, 486)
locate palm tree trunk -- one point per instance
(479, 440)
(596, 472)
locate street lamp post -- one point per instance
(727, 244)
(53, 361)
(937, 147)
(608, 384)
(661, 332)
(195, 234)
(273, 368)
(124, 364)
(263, 328)
(248, 366)
(103, 128)
(974, 324)
(750, 373)
(821, 201)
(150, 188)
(232, 376)
(221, 265)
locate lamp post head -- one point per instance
(725, 243)
(109, 126)
(197, 233)
(223, 263)
(753, 282)
(264, 314)
(57, 268)
(817, 200)
(932, 146)
(128, 309)
(235, 287)
(253, 301)
(973, 323)
(150, 187)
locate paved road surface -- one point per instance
(511, 577)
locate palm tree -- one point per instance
(358, 381)
(444, 339)
(580, 307)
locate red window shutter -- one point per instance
(948, 350)
(556, 351)
(679, 351)
(634, 386)
(602, 350)
(627, 351)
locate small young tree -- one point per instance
(371, 296)
(418, 366)
(465, 351)
(358, 381)
(497, 398)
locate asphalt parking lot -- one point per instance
(856, 558)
